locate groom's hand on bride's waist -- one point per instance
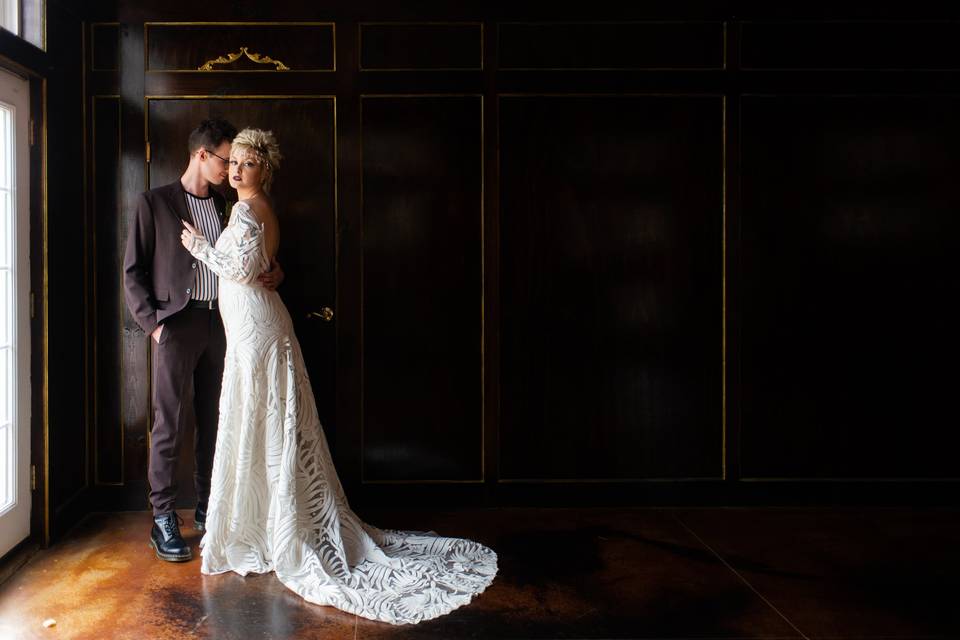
(271, 279)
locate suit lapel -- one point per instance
(179, 201)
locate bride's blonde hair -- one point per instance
(262, 145)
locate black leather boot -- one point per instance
(200, 517)
(166, 540)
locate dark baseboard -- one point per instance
(14, 559)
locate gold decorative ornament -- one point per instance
(233, 57)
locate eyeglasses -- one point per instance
(225, 161)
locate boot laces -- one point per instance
(170, 525)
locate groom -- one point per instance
(173, 298)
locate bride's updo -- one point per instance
(263, 146)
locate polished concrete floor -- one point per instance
(564, 573)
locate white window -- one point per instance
(10, 15)
(8, 493)
(14, 314)
(25, 18)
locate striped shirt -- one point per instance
(207, 220)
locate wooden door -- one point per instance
(305, 197)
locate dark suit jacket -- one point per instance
(158, 272)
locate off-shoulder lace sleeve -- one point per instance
(239, 254)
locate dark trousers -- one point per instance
(187, 372)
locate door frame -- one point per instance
(40, 520)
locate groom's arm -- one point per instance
(272, 279)
(137, 262)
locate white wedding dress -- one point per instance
(276, 503)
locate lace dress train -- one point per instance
(276, 503)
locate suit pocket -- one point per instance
(162, 297)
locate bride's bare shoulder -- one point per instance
(261, 208)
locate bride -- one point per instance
(276, 503)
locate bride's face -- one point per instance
(246, 172)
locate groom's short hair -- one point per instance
(211, 134)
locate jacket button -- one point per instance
(188, 291)
(193, 265)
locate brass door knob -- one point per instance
(325, 314)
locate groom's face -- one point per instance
(213, 168)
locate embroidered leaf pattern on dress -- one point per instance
(276, 503)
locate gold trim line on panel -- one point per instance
(483, 277)
(239, 24)
(87, 332)
(360, 66)
(606, 480)
(482, 479)
(363, 284)
(498, 206)
(146, 45)
(723, 290)
(369, 482)
(87, 416)
(852, 479)
(230, 58)
(635, 94)
(235, 96)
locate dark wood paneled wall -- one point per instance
(696, 254)
(611, 259)
(848, 334)
(422, 282)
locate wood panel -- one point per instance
(104, 46)
(612, 45)
(107, 292)
(420, 46)
(849, 337)
(422, 351)
(611, 273)
(64, 251)
(304, 193)
(849, 44)
(179, 47)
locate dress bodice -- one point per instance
(240, 252)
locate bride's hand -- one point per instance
(189, 235)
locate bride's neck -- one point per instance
(249, 194)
